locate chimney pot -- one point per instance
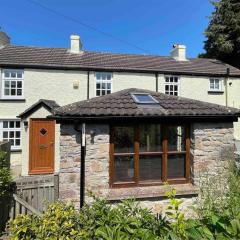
(179, 52)
(76, 45)
(4, 39)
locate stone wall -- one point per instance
(211, 145)
(69, 174)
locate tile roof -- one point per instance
(121, 105)
(38, 57)
(49, 104)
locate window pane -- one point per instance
(104, 76)
(5, 134)
(17, 134)
(19, 75)
(17, 124)
(98, 85)
(150, 138)
(98, 93)
(11, 134)
(176, 166)
(13, 84)
(176, 79)
(6, 92)
(150, 168)
(216, 84)
(167, 79)
(123, 168)
(13, 74)
(13, 92)
(109, 76)
(19, 84)
(5, 124)
(12, 142)
(19, 92)
(17, 142)
(176, 138)
(124, 140)
(7, 74)
(7, 84)
(11, 124)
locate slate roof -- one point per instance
(49, 104)
(61, 58)
(121, 105)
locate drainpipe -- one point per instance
(156, 75)
(88, 75)
(226, 86)
(83, 154)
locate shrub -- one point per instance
(5, 176)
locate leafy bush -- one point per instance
(5, 176)
(126, 220)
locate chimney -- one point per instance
(179, 52)
(76, 45)
(4, 39)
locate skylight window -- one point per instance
(144, 98)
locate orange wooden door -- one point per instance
(41, 143)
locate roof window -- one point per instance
(144, 98)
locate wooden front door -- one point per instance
(41, 144)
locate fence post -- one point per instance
(56, 187)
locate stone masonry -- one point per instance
(211, 147)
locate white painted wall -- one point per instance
(58, 85)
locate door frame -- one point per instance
(39, 172)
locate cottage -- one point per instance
(129, 143)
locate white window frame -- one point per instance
(172, 84)
(214, 89)
(103, 81)
(13, 147)
(3, 96)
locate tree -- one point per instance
(223, 32)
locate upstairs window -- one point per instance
(103, 83)
(12, 84)
(172, 85)
(10, 130)
(215, 85)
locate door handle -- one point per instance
(42, 146)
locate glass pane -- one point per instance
(19, 84)
(176, 138)
(13, 92)
(13, 84)
(11, 124)
(17, 124)
(109, 75)
(175, 79)
(5, 134)
(150, 138)
(17, 142)
(108, 91)
(98, 93)
(11, 134)
(6, 92)
(124, 140)
(5, 124)
(7, 84)
(104, 76)
(12, 142)
(98, 85)
(98, 76)
(109, 86)
(7, 74)
(150, 168)
(144, 98)
(167, 79)
(216, 84)
(103, 85)
(19, 75)
(13, 74)
(123, 168)
(176, 166)
(18, 134)
(19, 92)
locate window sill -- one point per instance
(12, 100)
(186, 189)
(215, 92)
(16, 150)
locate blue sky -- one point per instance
(152, 25)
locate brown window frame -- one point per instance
(136, 155)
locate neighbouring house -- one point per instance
(36, 80)
(129, 143)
